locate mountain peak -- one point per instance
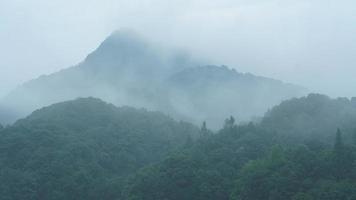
(121, 47)
(125, 34)
(127, 70)
(123, 39)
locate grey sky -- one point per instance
(307, 42)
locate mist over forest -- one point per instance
(150, 100)
(127, 70)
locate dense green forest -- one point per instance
(303, 149)
(314, 117)
(247, 163)
(82, 149)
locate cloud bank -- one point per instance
(311, 43)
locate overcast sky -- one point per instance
(307, 42)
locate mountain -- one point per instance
(83, 149)
(127, 70)
(88, 149)
(315, 116)
(211, 93)
(304, 148)
(122, 70)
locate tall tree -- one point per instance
(339, 144)
(204, 130)
(230, 122)
(343, 158)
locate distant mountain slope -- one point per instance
(296, 152)
(82, 149)
(127, 70)
(211, 93)
(122, 70)
(315, 116)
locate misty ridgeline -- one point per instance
(127, 70)
(136, 121)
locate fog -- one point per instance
(173, 99)
(128, 70)
(310, 43)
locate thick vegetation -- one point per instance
(83, 149)
(247, 163)
(313, 117)
(255, 162)
(304, 149)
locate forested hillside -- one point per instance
(83, 149)
(88, 149)
(211, 93)
(254, 162)
(315, 116)
(245, 163)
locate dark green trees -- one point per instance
(338, 144)
(343, 159)
(229, 123)
(313, 117)
(204, 130)
(83, 149)
(305, 172)
(206, 171)
(87, 149)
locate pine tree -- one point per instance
(204, 130)
(343, 159)
(230, 122)
(339, 144)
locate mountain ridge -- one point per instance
(127, 70)
(62, 151)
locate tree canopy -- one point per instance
(83, 149)
(88, 149)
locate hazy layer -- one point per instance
(127, 70)
(311, 43)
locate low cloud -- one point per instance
(311, 43)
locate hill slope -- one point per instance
(211, 93)
(314, 116)
(127, 70)
(83, 149)
(295, 153)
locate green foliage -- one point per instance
(250, 163)
(339, 144)
(312, 117)
(204, 171)
(299, 173)
(204, 130)
(229, 123)
(302, 196)
(86, 149)
(83, 149)
(343, 162)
